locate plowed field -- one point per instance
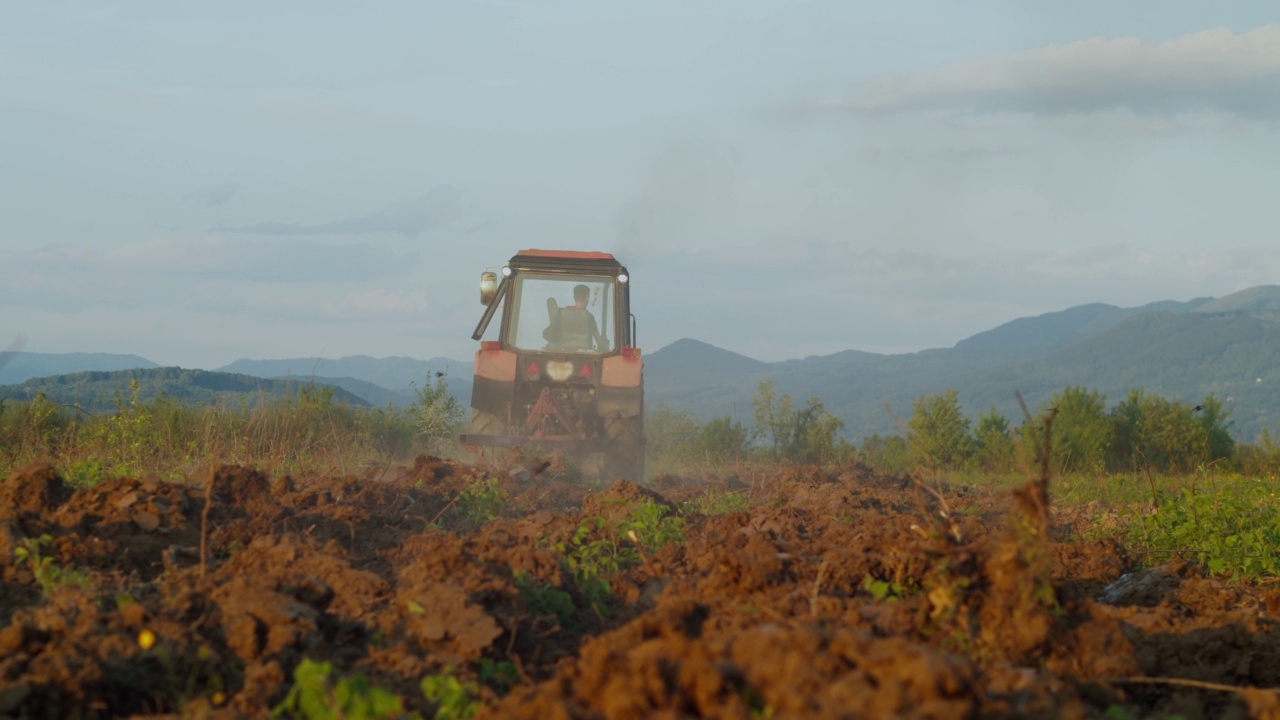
(831, 595)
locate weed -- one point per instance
(45, 569)
(886, 590)
(500, 675)
(454, 699)
(316, 696)
(200, 677)
(481, 502)
(1228, 533)
(723, 503)
(545, 600)
(652, 527)
(590, 556)
(85, 473)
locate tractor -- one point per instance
(564, 371)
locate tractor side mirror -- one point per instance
(488, 286)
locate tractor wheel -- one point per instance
(483, 423)
(624, 456)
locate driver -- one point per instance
(574, 327)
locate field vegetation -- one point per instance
(310, 558)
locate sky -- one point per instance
(200, 183)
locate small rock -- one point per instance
(128, 500)
(146, 520)
(12, 696)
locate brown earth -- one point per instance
(840, 594)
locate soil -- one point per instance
(838, 594)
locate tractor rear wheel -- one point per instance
(483, 423)
(624, 455)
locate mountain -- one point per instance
(1228, 346)
(1181, 350)
(393, 373)
(98, 391)
(19, 367)
(692, 373)
(378, 381)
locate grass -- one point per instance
(309, 432)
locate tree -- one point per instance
(886, 454)
(671, 438)
(1158, 434)
(809, 435)
(1125, 450)
(1217, 428)
(1081, 430)
(939, 431)
(437, 414)
(722, 439)
(814, 436)
(994, 447)
(774, 416)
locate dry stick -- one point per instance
(817, 585)
(945, 510)
(204, 520)
(644, 556)
(1044, 448)
(1185, 682)
(443, 510)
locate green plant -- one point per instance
(201, 673)
(316, 696)
(454, 699)
(1236, 533)
(85, 472)
(591, 555)
(652, 526)
(498, 674)
(545, 600)
(45, 569)
(723, 503)
(481, 502)
(437, 414)
(887, 590)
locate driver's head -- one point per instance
(581, 293)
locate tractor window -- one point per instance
(553, 312)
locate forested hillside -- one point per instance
(96, 391)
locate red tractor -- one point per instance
(564, 371)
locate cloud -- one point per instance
(219, 194)
(202, 259)
(808, 296)
(1213, 71)
(684, 184)
(409, 217)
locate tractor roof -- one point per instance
(566, 261)
(566, 254)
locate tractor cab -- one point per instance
(564, 371)
(558, 301)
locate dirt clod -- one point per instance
(828, 594)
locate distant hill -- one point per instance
(98, 391)
(19, 367)
(379, 381)
(1180, 350)
(1229, 346)
(393, 373)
